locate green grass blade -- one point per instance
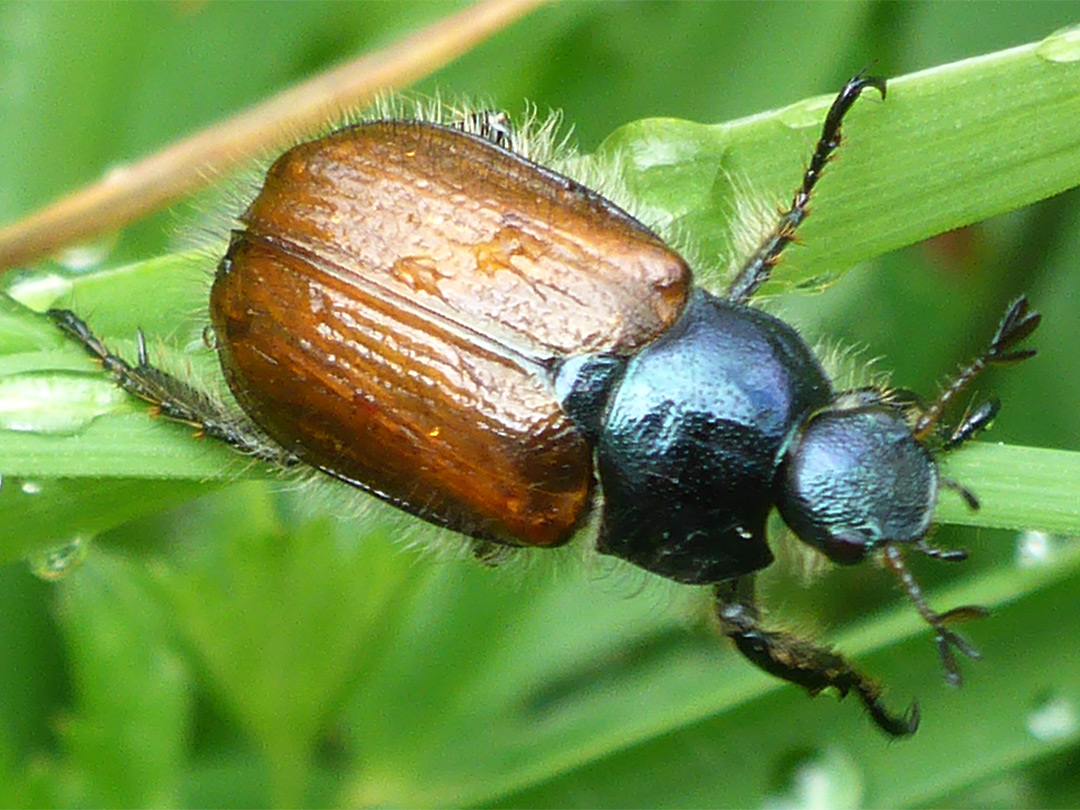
(948, 146)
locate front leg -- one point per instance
(793, 659)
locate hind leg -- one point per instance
(172, 397)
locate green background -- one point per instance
(266, 643)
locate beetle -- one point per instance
(418, 310)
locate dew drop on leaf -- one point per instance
(56, 562)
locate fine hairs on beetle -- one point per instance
(423, 311)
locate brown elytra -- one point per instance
(393, 308)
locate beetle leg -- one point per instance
(490, 553)
(491, 125)
(1018, 324)
(812, 667)
(946, 638)
(756, 270)
(172, 397)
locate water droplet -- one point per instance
(56, 401)
(55, 563)
(30, 488)
(1055, 718)
(828, 779)
(1061, 46)
(1034, 548)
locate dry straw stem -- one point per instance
(182, 168)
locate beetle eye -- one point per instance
(846, 547)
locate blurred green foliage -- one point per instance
(266, 644)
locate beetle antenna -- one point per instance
(758, 267)
(1017, 325)
(798, 661)
(947, 640)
